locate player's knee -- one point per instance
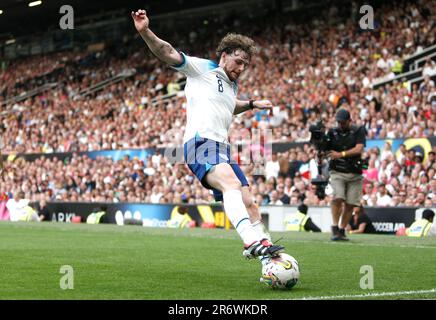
(234, 184)
(229, 181)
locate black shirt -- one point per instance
(294, 165)
(43, 212)
(285, 199)
(363, 218)
(346, 140)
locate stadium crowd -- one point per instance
(400, 179)
(307, 69)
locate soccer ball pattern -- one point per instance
(281, 272)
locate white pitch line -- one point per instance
(369, 295)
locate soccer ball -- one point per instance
(281, 272)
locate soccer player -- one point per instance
(210, 91)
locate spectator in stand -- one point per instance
(127, 179)
(429, 68)
(383, 198)
(288, 186)
(122, 105)
(410, 161)
(274, 199)
(387, 151)
(132, 113)
(272, 167)
(294, 164)
(371, 174)
(431, 159)
(282, 196)
(401, 155)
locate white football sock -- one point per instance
(260, 228)
(238, 216)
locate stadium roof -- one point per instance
(18, 19)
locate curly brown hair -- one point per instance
(233, 41)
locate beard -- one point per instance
(233, 76)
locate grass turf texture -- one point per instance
(133, 262)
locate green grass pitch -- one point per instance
(133, 262)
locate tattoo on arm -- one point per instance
(242, 108)
(160, 48)
(165, 48)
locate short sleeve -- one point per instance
(193, 66)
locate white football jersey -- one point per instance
(211, 99)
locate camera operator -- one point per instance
(346, 144)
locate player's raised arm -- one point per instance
(160, 48)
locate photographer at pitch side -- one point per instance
(346, 144)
